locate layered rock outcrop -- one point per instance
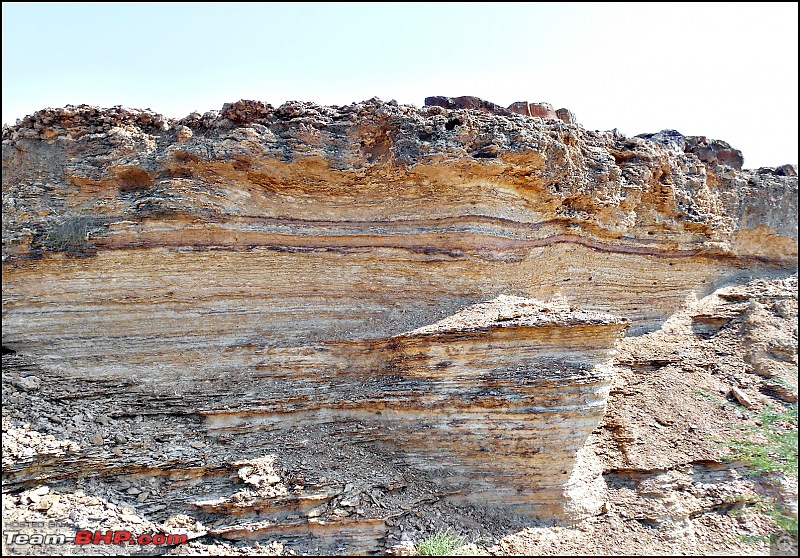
(279, 278)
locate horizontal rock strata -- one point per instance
(495, 409)
(274, 275)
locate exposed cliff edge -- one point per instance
(433, 294)
(330, 172)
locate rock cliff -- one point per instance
(430, 294)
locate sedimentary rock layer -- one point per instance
(271, 268)
(495, 409)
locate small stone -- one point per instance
(405, 548)
(57, 509)
(742, 398)
(105, 420)
(44, 504)
(41, 425)
(780, 391)
(197, 445)
(120, 438)
(118, 452)
(133, 491)
(27, 383)
(142, 497)
(36, 495)
(565, 115)
(97, 439)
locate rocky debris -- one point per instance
(23, 442)
(43, 511)
(76, 121)
(470, 103)
(243, 112)
(524, 108)
(708, 360)
(259, 472)
(405, 548)
(227, 548)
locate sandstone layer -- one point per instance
(655, 464)
(285, 277)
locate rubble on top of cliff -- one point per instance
(714, 152)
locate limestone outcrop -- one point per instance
(436, 291)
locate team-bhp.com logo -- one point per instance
(94, 537)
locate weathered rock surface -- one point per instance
(257, 283)
(655, 476)
(491, 405)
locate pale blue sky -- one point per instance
(727, 71)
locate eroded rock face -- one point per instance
(469, 193)
(280, 278)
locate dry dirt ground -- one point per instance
(661, 471)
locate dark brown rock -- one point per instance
(715, 152)
(786, 170)
(566, 115)
(542, 110)
(466, 102)
(520, 107)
